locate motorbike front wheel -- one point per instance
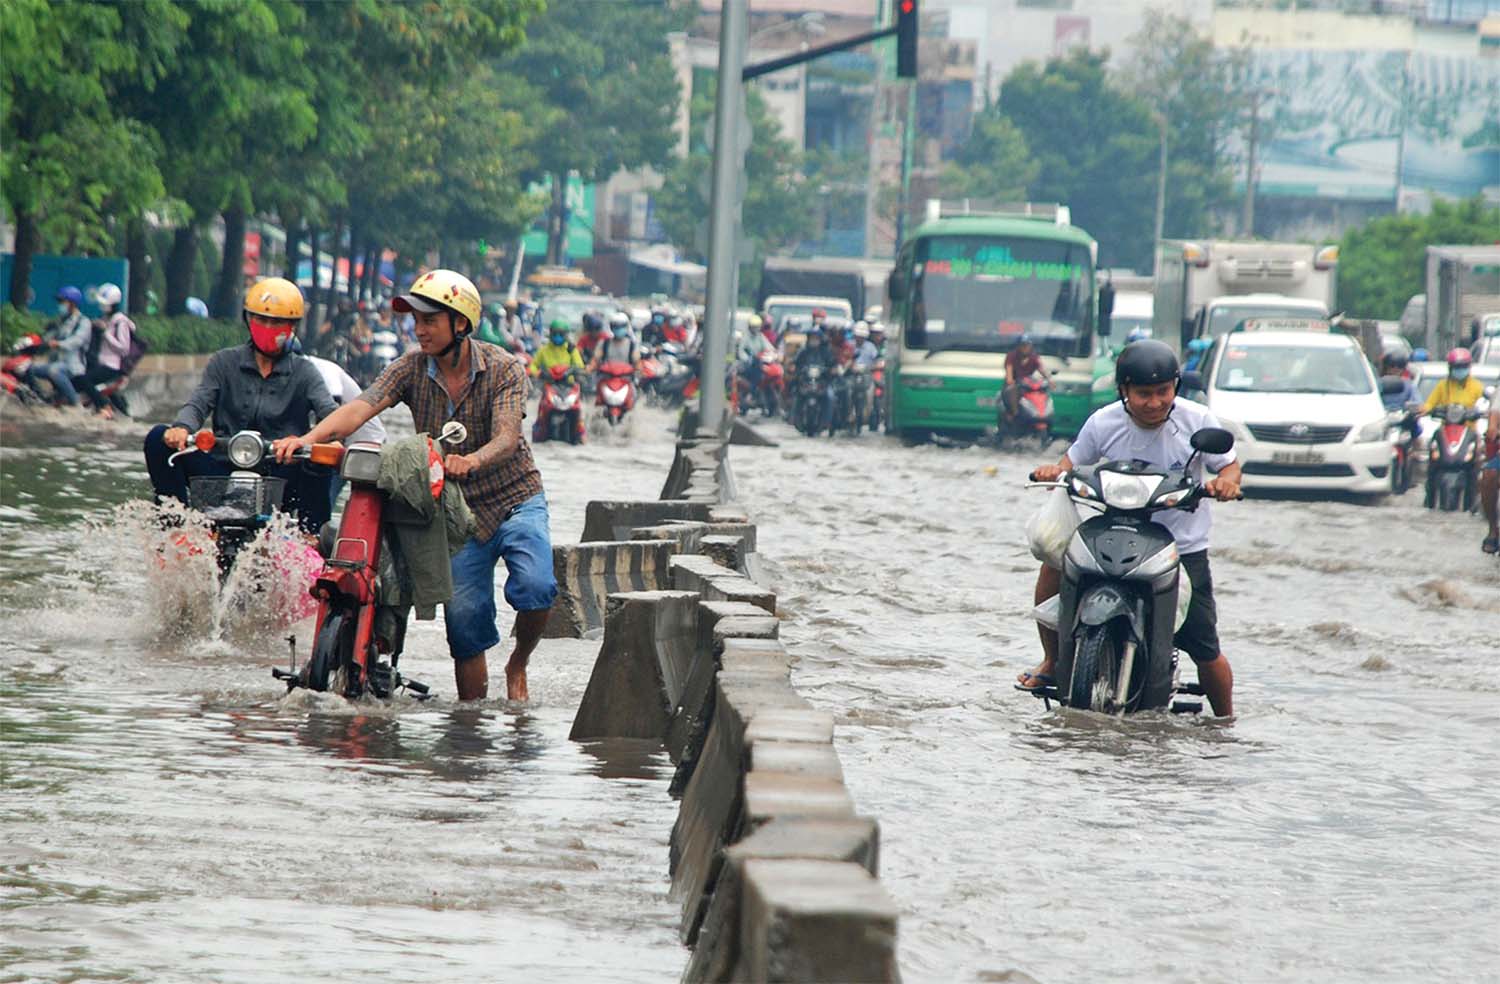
(1095, 667)
(332, 667)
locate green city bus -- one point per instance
(964, 289)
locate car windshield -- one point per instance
(1293, 369)
(981, 293)
(1222, 320)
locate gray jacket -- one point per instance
(422, 533)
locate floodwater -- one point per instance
(1344, 827)
(167, 814)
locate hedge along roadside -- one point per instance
(185, 335)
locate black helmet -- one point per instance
(1147, 363)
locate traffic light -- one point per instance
(906, 39)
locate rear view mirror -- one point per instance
(1212, 440)
(1192, 379)
(1106, 308)
(895, 286)
(1391, 385)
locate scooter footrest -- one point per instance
(1186, 706)
(281, 674)
(1196, 689)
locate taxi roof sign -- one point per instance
(1284, 324)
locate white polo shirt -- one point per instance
(343, 388)
(1111, 435)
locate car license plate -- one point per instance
(1297, 457)
(989, 401)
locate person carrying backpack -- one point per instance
(116, 355)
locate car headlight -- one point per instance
(1373, 431)
(1236, 428)
(361, 465)
(246, 449)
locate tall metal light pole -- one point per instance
(723, 221)
(1161, 192)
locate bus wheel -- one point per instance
(912, 436)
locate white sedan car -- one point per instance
(1304, 408)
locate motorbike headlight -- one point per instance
(1128, 491)
(361, 464)
(246, 449)
(1374, 431)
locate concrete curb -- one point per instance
(587, 573)
(773, 869)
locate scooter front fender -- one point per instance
(1103, 603)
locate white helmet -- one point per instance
(619, 319)
(861, 329)
(108, 295)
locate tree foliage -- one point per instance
(994, 164)
(1383, 262)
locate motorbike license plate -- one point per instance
(989, 401)
(1297, 457)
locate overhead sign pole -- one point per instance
(723, 224)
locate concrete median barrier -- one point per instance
(650, 642)
(587, 573)
(805, 920)
(696, 572)
(611, 519)
(720, 624)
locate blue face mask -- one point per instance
(621, 332)
(62, 308)
(558, 339)
(1459, 375)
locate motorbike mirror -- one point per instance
(1391, 385)
(1212, 440)
(454, 433)
(1192, 379)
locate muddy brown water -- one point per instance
(168, 815)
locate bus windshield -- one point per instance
(981, 293)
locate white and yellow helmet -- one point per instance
(442, 290)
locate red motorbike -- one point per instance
(877, 401)
(1034, 411)
(1452, 481)
(616, 390)
(347, 648)
(770, 391)
(15, 366)
(559, 415)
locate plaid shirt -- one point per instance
(497, 391)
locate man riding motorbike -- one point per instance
(1020, 362)
(1394, 366)
(816, 353)
(483, 387)
(262, 386)
(558, 351)
(1460, 387)
(751, 347)
(68, 342)
(1152, 423)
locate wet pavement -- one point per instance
(169, 815)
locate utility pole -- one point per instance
(1161, 192)
(723, 218)
(1247, 218)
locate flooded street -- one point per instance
(1342, 828)
(169, 815)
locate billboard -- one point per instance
(580, 204)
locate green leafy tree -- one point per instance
(1384, 262)
(1181, 75)
(779, 205)
(1094, 147)
(608, 88)
(994, 163)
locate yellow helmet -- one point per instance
(442, 290)
(275, 297)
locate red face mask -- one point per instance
(270, 336)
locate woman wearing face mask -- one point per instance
(1460, 387)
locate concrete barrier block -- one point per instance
(686, 535)
(726, 551)
(587, 573)
(693, 461)
(717, 950)
(809, 726)
(802, 758)
(690, 717)
(716, 583)
(742, 433)
(614, 519)
(754, 654)
(650, 638)
(773, 795)
(807, 920)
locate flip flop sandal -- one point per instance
(1036, 681)
(1491, 545)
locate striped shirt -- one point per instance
(496, 393)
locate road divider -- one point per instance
(774, 870)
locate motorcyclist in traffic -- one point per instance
(1459, 387)
(865, 350)
(558, 351)
(261, 386)
(1152, 423)
(67, 342)
(1489, 481)
(817, 353)
(620, 347)
(1196, 349)
(1393, 366)
(751, 347)
(114, 351)
(877, 338)
(1020, 362)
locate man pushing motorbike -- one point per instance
(1152, 423)
(452, 377)
(261, 386)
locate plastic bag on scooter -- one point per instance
(1184, 598)
(1051, 528)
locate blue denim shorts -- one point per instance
(524, 542)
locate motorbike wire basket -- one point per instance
(235, 498)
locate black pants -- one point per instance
(307, 486)
(88, 384)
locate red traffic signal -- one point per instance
(906, 39)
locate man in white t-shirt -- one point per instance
(343, 388)
(1152, 423)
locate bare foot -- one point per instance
(515, 682)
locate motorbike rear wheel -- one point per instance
(332, 666)
(1095, 668)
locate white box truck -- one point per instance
(1208, 288)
